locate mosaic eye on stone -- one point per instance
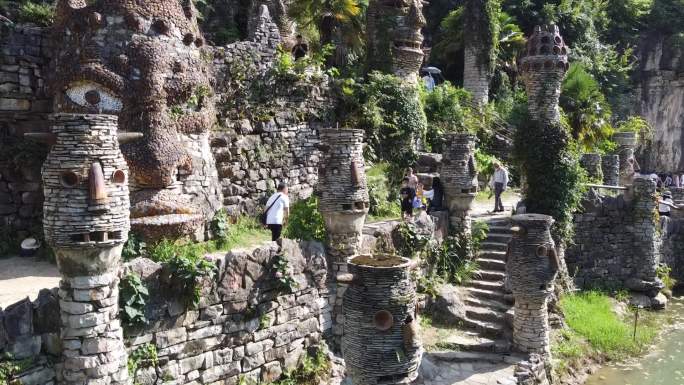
(119, 176)
(93, 95)
(69, 179)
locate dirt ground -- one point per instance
(25, 277)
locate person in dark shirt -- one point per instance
(300, 49)
(407, 194)
(436, 195)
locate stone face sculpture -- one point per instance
(626, 142)
(542, 70)
(86, 222)
(459, 177)
(143, 61)
(395, 37)
(382, 346)
(531, 267)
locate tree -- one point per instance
(337, 21)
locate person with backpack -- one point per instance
(277, 212)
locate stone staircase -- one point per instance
(487, 302)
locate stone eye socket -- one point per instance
(95, 96)
(69, 179)
(119, 177)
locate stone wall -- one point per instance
(23, 106)
(246, 323)
(615, 242)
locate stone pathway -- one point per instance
(467, 368)
(25, 277)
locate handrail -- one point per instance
(605, 186)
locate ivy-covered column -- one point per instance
(343, 202)
(86, 221)
(531, 266)
(459, 177)
(480, 36)
(543, 145)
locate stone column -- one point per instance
(610, 165)
(592, 164)
(343, 202)
(459, 177)
(626, 142)
(382, 345)
(86, 221)
(542, 70)
(646, 239)
(531, 267)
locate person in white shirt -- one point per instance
(666, 204)
(277, 211)
(499, 183)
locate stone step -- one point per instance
(495, 246)
(488, 303)
(487, 285)
(497, 237)
(499, 222)
(466, 343)
(497, 229)
(492, 358)
(485, 314)
(490, 275)
(491, 264)
(485, 328)
(492, 254)
(489, 294)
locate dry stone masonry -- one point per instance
(592, 164)
(459, 176)
(86, 222)
(542, 70)
(610, 166)
(382, 345)
(531, 267)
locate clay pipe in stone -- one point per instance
(98, 188)
(127, 137)
(43, 137)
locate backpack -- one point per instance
(264, 216)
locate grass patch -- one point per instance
(591, 316)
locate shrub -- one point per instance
(446, 109)
(133, 248)
(452, 260)
(312, 370)
(40, 14)
(133, 295)
(186, 277)
(305, 221)
(382, 206)
(144, 356)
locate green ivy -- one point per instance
(144, 356)
(133, 248)
(187, 274)
(408, 242)
(133, 295)
(9, 367)
(283, 274)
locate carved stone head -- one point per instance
(395, 37)
(144, 61)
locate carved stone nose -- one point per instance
(98, 189)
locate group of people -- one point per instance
(414, 196)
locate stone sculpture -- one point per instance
(610, 165)
(531, 267)
(626, 142)
(395, 37)
(144, 62)
(459, 177)
(542, 70)
(85, 181)
(380, 309)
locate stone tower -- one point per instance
(459, 177)
(395, 38)
(86, 221)
(542, 70)
(531, 267)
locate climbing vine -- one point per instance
(133, 295)
(144, 356)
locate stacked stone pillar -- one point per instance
(531, 267)
(592, 164)
(343, 203)
(626, 142)
(646, 242)
(459, 177)
(86, 221)
(610, 165)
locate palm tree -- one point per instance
(337, 21)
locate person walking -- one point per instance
(666, 204)
(277, 211)
(412, 178)
(407, 194)
(435, 196)
(499, 183)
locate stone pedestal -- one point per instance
(592, 164)
(382, 343)
(626, 142)
(610, 165)
(459, 177)
(86, 221)
(532, 265)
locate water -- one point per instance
(663, 366)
